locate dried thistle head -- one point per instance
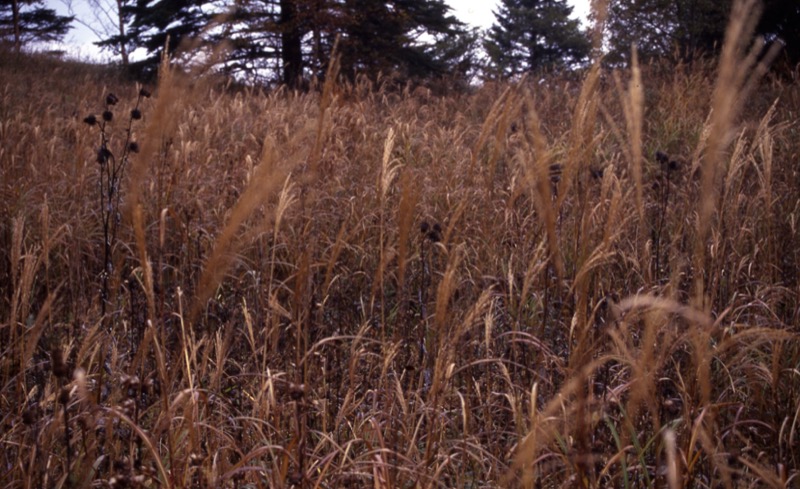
(103, 155)
(424, 227)
(57, 363)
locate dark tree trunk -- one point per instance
(291, 41)
(17, 28)
(123, 48)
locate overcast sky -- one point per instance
(473, 12)
(480, 12)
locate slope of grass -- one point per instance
(545, 284)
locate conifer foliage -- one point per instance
(293, 39)
(26, 21)
(677, 28)
(529, 35)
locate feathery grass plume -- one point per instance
(444, 292)
(326, 105)
(386, 176)
(738, 73)
(409, 196)
(672, 460)
(633, 108)
(599, 16)
(550, 421)
(502, 105)
(582, 133)
(172, 91)
(765, 140)
(536, 168)
(267, 179)
(286, 198)
(504, 124)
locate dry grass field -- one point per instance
(587, 282)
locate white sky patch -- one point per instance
(480, 13)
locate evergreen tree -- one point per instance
(659, 28)
(112, 18)
(690, 28)
(292, 40)
(26, 21)
(780, 22)
(533, 34)
(155, 21)
(400, 37)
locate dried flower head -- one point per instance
(30, 415)
(103, 155)
(111, 99)
(133, 147)
(435, 234)
(297, 391)
(108, 116)
(662, 158)
(424, 227)
(144, 93)
(57, 363)
(136, 114)
(90, 119)
(63, 395)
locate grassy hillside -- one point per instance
(585, 283)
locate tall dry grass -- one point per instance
(544, 284)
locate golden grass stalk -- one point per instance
(633, 108)
(266, 181)
(503, 104)
(405, 218)
(537, 175)
(738, 73)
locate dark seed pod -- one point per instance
(136, 114)
(435, 234)
(30, 415)
(103, 155)
(111, 99)
(108, 116)
(424, 227)
(90, 119)
(133, 147)
(60, 369)
(196, 459)
(662, 158)
(297, 391)
(63, 396)
(119, 481)
(144, 93)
